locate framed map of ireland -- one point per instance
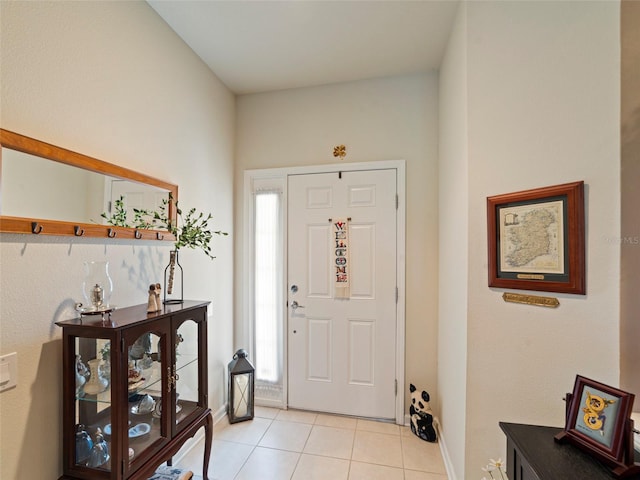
(536, 239)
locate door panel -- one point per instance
(341, 351)
(362, 260)
(319, 262)
(319, 197)
(319, 349)
(362, 196)
(361, 352)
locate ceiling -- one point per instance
(259, 46)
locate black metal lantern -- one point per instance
(241, 385)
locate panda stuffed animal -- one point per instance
(421, 415)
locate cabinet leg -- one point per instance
(208, 438)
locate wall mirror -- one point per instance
(50, 190)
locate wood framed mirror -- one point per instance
(49, 190)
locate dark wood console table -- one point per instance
(532, 454)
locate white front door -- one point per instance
(342, 342)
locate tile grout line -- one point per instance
(353, 447)
(253, 449)
(302, 452)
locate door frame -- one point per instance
(281, 175)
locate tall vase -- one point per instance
(97, 285)
(173, 286)
(97, 383)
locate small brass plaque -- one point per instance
(531, 299)
(530, 276)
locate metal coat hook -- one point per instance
(111, 233)
(36, 227)
(159, 236)
(77, 231)
(137, 234)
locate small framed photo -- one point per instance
(597, 419)
(536, 239)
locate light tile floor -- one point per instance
(296, 445)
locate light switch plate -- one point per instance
(8, 371)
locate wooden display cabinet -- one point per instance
(135, 389)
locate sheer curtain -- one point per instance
(267, 297)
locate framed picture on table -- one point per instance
(599, 422)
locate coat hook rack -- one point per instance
(348, 219)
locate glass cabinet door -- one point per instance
(187, 370)
(148, 386)
(93, 403)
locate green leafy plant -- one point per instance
(119, 217)
(105, 352)
(191, 229)
(144, 219)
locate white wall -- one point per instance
(380, 119)
(110, 80)
(543, 108)
(454, 237)
(630, 232)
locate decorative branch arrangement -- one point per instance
(191, 229)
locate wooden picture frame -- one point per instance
(536, 239)
(598, 420)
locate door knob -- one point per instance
(295, 305)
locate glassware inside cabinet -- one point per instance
(93, 403)
(187, 380)
(145, 420)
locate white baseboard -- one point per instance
(188, 446)
(218, 415)
(442, 444)
(446, 458)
